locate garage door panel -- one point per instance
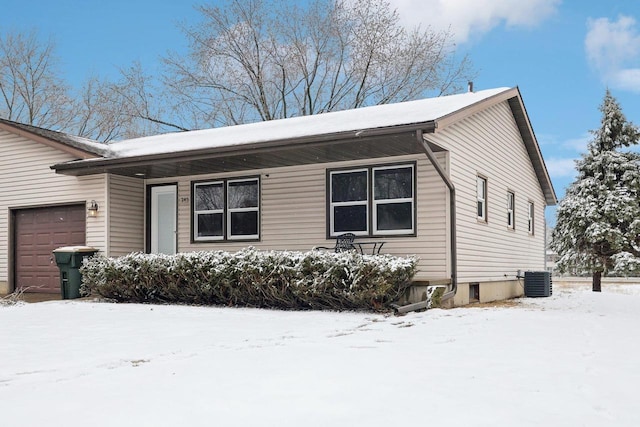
(27, 240)
(43, 239)
(59, 239)
(78, 238)
(43, 260)
(37, 233)
(41, 218)
(26, 281)
(77, 216)
(25, 260)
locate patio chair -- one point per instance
(344, 243)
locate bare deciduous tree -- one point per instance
(249, 60)
(266, 59)
(130, 107)
(31, 89)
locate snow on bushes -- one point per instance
(273, 279)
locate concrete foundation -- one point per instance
(468, 292)
(488, 291)
(4, 287)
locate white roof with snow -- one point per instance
(379, 116)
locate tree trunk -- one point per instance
(597, 281)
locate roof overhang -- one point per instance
(514, 99)
(368, 143)
(32, 133)
(325, 148)
(533, 149)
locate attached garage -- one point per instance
(37, 232)
(41, 210)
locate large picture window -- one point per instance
(226, 209)
(372, 201)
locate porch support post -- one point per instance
(452, 214)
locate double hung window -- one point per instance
(349, 201)
(226, 209)
(372, 200)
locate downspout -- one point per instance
(452, 214)
(452, 230)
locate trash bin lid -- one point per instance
(76, 249)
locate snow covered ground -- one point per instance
(569, 360)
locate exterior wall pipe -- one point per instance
(452, 214)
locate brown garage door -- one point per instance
(37, 233)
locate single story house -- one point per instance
(457, 180)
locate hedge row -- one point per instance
(270, 279)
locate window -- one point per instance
(226, 210)
(393, 200)
(481, 186)
(531, 217)
(511, 198)
(349, 202)
(372, 201)
(208, 211)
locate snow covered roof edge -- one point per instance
(86, 145)
(379, 116)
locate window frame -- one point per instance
(333, 204)
(195, 213)
(484, 217)
(375, 203)
(511, 210)
(226, 211)
(230, 211)
(370, 202)
(531, 218)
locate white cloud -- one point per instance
(473, 18)
(613, 49)
(561, 167)
(628, 79)
(577, 144)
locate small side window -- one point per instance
(481, 185)
(531, 218)
(511, 198)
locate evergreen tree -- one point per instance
(598, 221)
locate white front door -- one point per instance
(163, 219)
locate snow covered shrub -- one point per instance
(275, 279)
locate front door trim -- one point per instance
(149, 214)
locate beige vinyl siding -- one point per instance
(26, 180)
(489, 144)
(293, 212)
(126, 215)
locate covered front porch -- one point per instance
(293, 204)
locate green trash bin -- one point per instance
(69, 260)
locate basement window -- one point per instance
(474, 292)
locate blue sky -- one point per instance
(562, 54)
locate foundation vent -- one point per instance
(537, 284)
